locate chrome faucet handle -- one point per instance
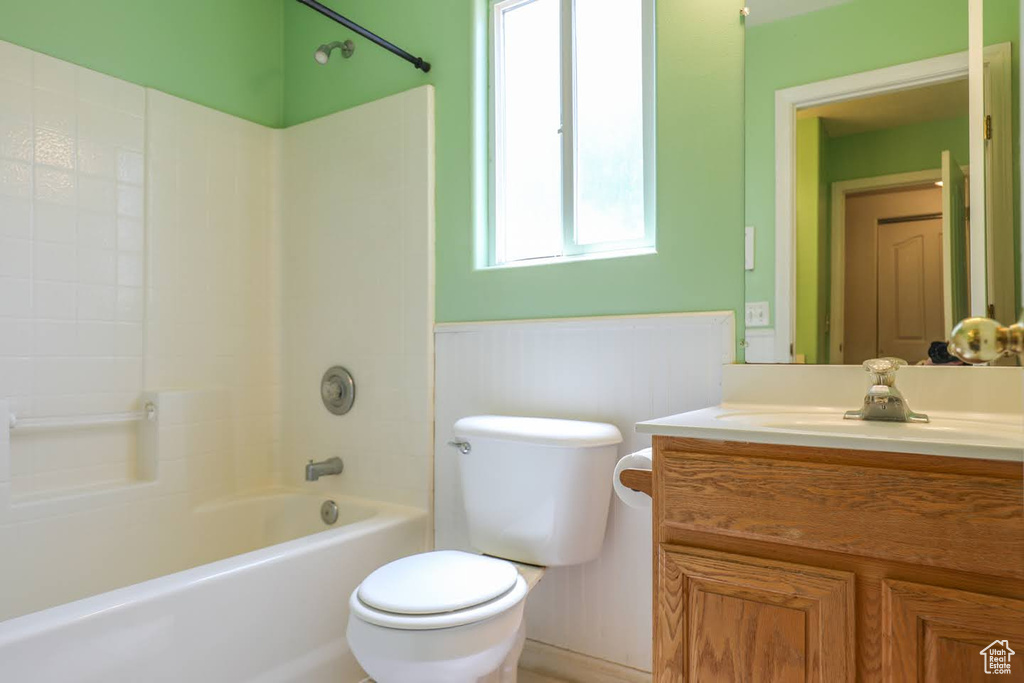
(883, 401)
(883, 370)
(983, 340)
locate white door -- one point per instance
(910, 291)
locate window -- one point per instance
(572, 128)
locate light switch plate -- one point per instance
(757, 314)
(748, 248)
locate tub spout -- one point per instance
(331, 466)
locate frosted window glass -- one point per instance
(609, 121)
(529, 220)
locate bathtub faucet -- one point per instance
(315, 470)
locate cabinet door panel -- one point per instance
(936, 635)
(739, 639)
(728, 618)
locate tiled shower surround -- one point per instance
(146, 247)
(357, 194)
(72, 264)
(212, 307)
(137, 251)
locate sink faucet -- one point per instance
(884, 402)
(331, 466)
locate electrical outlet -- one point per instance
(757, 314)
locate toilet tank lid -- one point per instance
(539, 430)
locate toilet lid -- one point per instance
(437, 582)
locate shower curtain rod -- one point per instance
(369, 35)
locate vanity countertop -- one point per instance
(975, 412)
(962, 435)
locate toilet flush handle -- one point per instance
(463, 446)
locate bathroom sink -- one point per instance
(973, 413)
(954, 428)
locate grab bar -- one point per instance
(147, 413)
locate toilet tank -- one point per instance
(537, 490)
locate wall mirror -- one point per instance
(882, 176)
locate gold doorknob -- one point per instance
(983, 340)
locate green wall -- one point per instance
(225, 54)
(812, 241)
(821, 161)
(903, 149)
(254, 58)
(700, 156)
(856, 36)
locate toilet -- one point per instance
(535, 491)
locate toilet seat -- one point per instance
(436, 582)
(436, 590)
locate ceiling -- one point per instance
(902, 108)
(766, 11)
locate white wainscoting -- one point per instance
(619, 370)
(760, 345)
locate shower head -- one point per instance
(323, 53)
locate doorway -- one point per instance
(893, 290)
(990, 242)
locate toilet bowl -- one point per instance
(438, 617)
(536, 491)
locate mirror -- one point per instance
(862, 170)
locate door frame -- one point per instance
(837, 312)
(787, 102)
(1000, 257)
(998, 200)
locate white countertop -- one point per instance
(959, 435)
(975, 412)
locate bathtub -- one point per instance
(266, 603)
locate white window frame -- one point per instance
(571, 249)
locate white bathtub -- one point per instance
(273, 614)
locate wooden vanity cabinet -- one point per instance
(775, 564)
